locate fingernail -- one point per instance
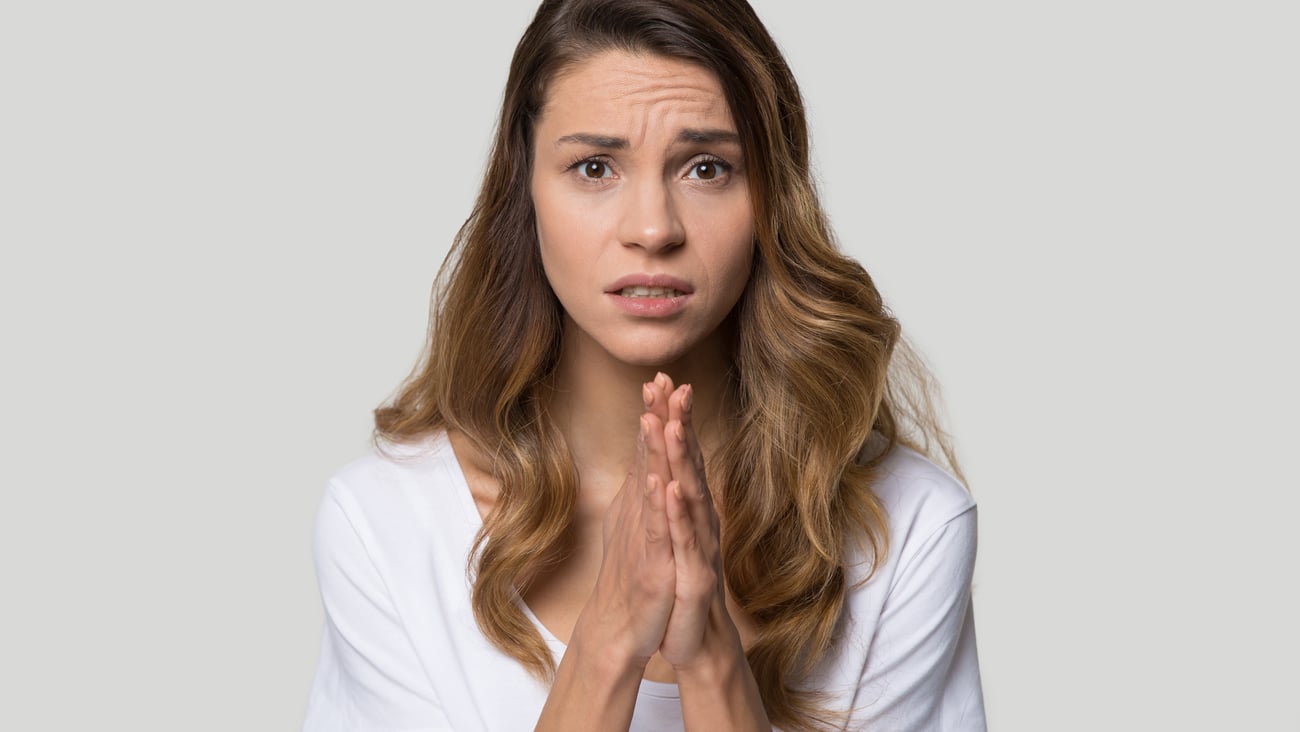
(647, 395)
(677, 490)
(679, 433)
(651, 483)
(660, 378)
(689, 398)
(645, 428)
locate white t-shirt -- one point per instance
(401, 650)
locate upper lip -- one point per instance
(650, 280)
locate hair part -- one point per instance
(818, 362)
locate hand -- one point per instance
(699, 624)
(629, 608)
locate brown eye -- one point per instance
(711, 170)
(594, 169)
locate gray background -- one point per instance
(220, 222)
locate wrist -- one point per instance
(711, 671)
(720, 658)
(718, 691)
(605, 650)
(595, 688)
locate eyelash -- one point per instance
(724, 168)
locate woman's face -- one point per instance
(643, 207)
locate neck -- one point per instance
(595, 400)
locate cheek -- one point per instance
(549, 222)
(553, 261)
(738, 271)
(563, 224)
(561, 244)
(732, 256)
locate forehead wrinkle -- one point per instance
(665, 88)
(669, 107)
(640, 93)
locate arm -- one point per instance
(594, 689)
(623, 622)
(660, 589)
(718, 690)
(368, 676)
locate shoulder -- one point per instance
(918, 496)
(389, 463)
(908, 658)
(392, 476)
(930, 524)
(396, 500)
(389, 560)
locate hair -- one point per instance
(818, 363)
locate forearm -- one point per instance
(594, 691)
(719, 694)
(624, 620)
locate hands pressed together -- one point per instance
(659, 590)
(660, 584)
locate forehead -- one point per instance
(618, 90)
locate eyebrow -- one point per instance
(586, 138)
(707, 136)
(690, 135)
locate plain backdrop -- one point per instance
(220, 222)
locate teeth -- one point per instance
(649, 292)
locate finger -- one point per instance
(687, 459)
(634, 486)
(680, 461)
(656, 447)
(655, 396)
(680, 526)
(682, 406)
(655, 519)
(665, 383)
(689, 474)
(696, 581)
(679, 403)
(643, 434)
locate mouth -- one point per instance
(650, 286)
(654, 292)
(650, 296)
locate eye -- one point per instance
(705, 171)
(708, 169)
(594, 169)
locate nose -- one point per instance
(649, 218)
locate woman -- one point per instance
(654, 424)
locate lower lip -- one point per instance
(650, 307)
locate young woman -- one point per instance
(654, 471)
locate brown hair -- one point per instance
(818, 361)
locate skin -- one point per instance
(637, 171)
(656, 206)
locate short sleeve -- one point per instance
(368, 677)
(922, 672)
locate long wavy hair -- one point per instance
(818, 364)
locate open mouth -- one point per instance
(656, 292)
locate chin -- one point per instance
(647, 346)
(652, 351)
(651, 358)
